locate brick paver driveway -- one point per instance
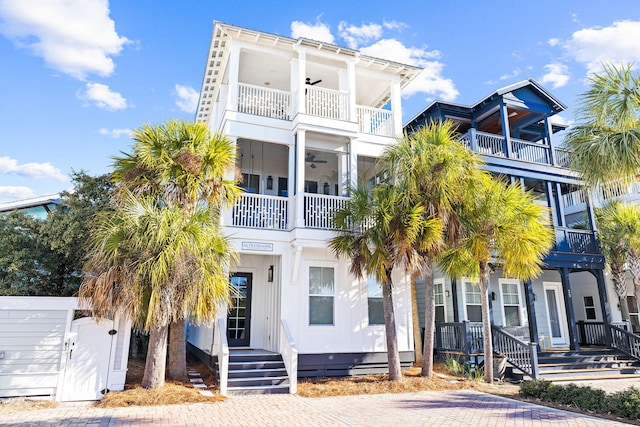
(450, 408)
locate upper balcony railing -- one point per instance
(496, 146)
(319, 209)
(261, 101)
(327, 103)
(375, 121)
(575, 241)
(320, 102)
(603, 194)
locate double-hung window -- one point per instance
(321, 295)
(374, 302)
(439, 300)
(473, 301)
(511, 303)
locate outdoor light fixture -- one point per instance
(325, 188)
(269, 182)
(270, 274)
(493, 296)
(447, 294)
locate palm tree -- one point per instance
(502, 225)
(379, 232)
(435, 170)
(184, 164)
(155, 263)
(619, 236)
(605, 143)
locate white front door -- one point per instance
(88, 354)
(554, 301)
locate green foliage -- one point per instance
(467, 369)
(624, 404)
(45, 256)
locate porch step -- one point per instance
(586, 364)
(254, 371)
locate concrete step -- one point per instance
(588, 365)
(573, 374)
(256, 364)
(273, 389)
(257, 381)
(256, 373)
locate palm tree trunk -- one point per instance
(634, 270)
(393, 355)
(619, 280)
(177, 367)
(156, 358)
(486, 323)
(429, 321)
(417, 333)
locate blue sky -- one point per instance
(78, 75)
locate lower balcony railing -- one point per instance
(319, 210)
(575, 241)
(261, 211)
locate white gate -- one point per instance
(87, 368)
(45, 352)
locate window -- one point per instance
(439, 298)
(590, 308)
(511, 303)
(473, 301)
(250, 182)
(634, 315)
(321, 292)
(374, 302)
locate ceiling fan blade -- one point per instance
(315, 83)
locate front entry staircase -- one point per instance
(255, 371)
(588, 363)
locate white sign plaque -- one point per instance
(257, 246)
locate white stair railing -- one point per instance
(289, 354)
(221, 347)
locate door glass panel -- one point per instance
(554, 318)
(236, 320)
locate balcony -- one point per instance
(320, 102)
(576, 201)
(575, 241)
(496, 146)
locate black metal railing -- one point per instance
(625, 341)
(459, 337)
(521, 354)
(591, 333)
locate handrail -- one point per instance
(625, 341)
(521, 354)
(289, 355)
(222, 345)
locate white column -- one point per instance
(302, 72)
(234, 70)
(291, 186)
(396, 107)
(294, 87)
(299, 184)
(351, 87)
(226, 219)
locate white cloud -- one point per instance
(103, 97)
(394, 25)
(557, 75)
(430, 81)
(561, 120)
(16, 192)
(32, 170)
(318, 31)
(553, 42)
(187, 99)
(356, 36)
(116, 132)
(76, 37)
(618, 43)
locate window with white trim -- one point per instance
(589, 308)
(321, 295)
(511, 308)
(473, 301)
(374, 302)
(439, 300)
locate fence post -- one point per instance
(581, 333)
(468, 338)
(533, 354)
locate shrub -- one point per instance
(625, 403)
(534, 388)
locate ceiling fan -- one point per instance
(310, 83)
(311, 158)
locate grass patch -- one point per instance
(23, 404)
(173, 392)
(443, 379)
